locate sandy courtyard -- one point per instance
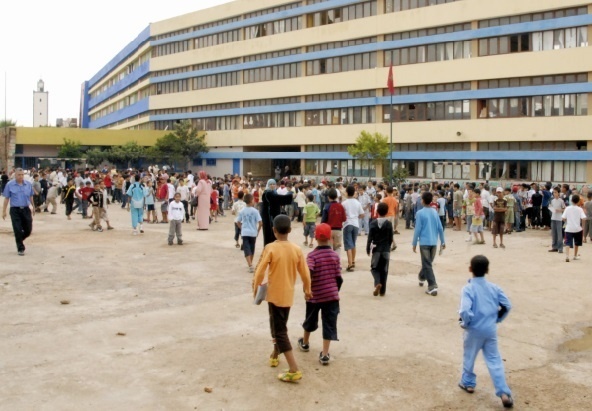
(149, 326)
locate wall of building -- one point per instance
(40, 109)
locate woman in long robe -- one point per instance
(204, 192)
(271, 204)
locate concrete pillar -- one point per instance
(302, 161)
(589, 165)
(474, 104)
(474, 168)
(379, 171)
(474, 43)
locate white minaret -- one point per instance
(40, 106)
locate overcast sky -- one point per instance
(65, 42)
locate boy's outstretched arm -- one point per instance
(466, 307)
(505, 305)
(262, 265)
(305, 276)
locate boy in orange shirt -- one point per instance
(393, 209)
(282, 260)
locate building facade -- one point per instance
(484, 90)
(40, 106)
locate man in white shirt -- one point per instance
(353, 213)
(171, 189)
(486, 202)
(573, 216)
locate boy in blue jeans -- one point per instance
(483, 305)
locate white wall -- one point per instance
(40, 109)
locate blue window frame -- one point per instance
(210, 162)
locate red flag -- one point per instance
(391, 81)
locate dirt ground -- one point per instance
(149, 327)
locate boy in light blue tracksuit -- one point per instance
(483, 305)
(136, 195)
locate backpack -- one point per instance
(336, 214)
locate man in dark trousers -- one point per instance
(20, 195)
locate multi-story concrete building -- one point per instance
(501, 84)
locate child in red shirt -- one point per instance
(214, 202)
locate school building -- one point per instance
(481, 86)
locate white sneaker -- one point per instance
(470, 239)
(135, 232)
(577, 257)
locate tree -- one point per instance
(371, 147)
(95, 156)
(7, 123)
(70, 149)
(127, 153)
(180, 146)
(400, 175)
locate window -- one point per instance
(211, 162)
(391, 6)
(341, 14)
(341, 116)
(447, 110)
(198, 162)
(537, 106)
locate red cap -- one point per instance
(323, 232)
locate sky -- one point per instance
(65, 42)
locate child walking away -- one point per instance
(379, 243)
(573, 217)
(500, 206)
(311, 211)
(249, 223)
(283, 261)
(482, 306)
(326, 280)
(478, 218)
(557, 206)
(97, 199)
(334, 215)
(176, 214)
(588, 222)
(237, 207)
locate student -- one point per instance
(483, 305)
(310, 213)
(249, 223)
(510, 212)
(176, 214)
(457, 203)
(98, 201)
(500, 206)
(282, 260)
(379, 244)
(353, 212)
(393, 208)
(441, 200)
(334, 215)
(573, 216)
(214, 203)
(557, 206)
(588, 222)
(238, 206)
(326, 280)
(478, 218)
(428, 229)
(470, 212)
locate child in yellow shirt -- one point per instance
(282, 260)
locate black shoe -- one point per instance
(303, 347)
(324, 359)
(21, 253)
(433, 292)
(508, 402)
(180, 242)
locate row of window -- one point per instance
(271, 55)
(271, 102)
(218, 38)
(391, 6)
(362, 61)
(272, 120)
(171, 48)
(121, 74)
(430, 88)
(341, 96)
(524, 18)
(533, 146)
(350, 168)
(533, 81)
(341, 14)
(538, 106)
(537, 41)
(341, 116)
(281, 72)
(442, 110)
(273, 27)
(428, 53)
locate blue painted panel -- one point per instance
(416, 155)
(127, 81)
(84, 117)
(390, 45)
(127, 112)
(280, 15)
(135, 44)
(573, 88)
(236, 166)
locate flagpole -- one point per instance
(391, 145)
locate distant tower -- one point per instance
(40, 106)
